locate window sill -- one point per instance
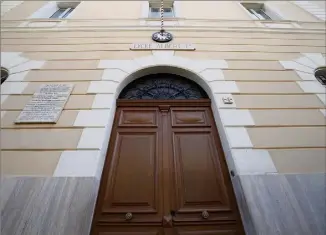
(159, 19)
(46, 20)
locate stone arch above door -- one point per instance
(208, 74)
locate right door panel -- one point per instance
(200, 178)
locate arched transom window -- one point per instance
(163, 87)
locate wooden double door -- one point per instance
(165, 173)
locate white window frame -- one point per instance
(52, 7)
(145, 12)
(252, 11)
(63, 13)
(259, 16)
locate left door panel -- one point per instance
(131, 186)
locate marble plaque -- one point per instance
(163, 46)
(46, 104)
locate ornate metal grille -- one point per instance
(163, 87)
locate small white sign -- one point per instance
(227, 100)
(46, 104)
(163, 46)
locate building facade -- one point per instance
(264, 109)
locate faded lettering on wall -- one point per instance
(162, 46)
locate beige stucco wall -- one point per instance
(290, 11)
(23, 10)
(230, 10)
(108, 10)
(322, 4)
(268, 91)
(213, 10)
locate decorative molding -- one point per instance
(92, 118)
(313, 9)
(144, 9)
(253, 161)
(212, 75)
(91, 138)
(67, 4)
(311, 87)
(7, 6)
(274, 11)
(238, 137)
(224, 87)
(80, 163)
(13, 88)
(116, 75)
(207, 73)
(17, 77)
(162, 59)
(46, 11)
(32, 64)
(103, 101)
(177, 9)
(322, 98)
(246, 11)
(3, 98)
(3, 114)
(98, 87)
(236, 117)
(18, 68)
(12, 59)
(305, 66)
(164, 54)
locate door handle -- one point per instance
(167, 221)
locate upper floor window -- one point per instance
(62, 13)
(56, 10)
(260, 11)
(155, 12)
(260, 14)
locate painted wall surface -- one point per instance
(213, 10)
(275, 128)
(108, 10)
(321, 4)
(23, 10)
(6, 6)
(289, 11)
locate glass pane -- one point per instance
(58, 13)
(168, 12)
(263, 14)
(67, 13)
(253, 12)
(155, 13)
